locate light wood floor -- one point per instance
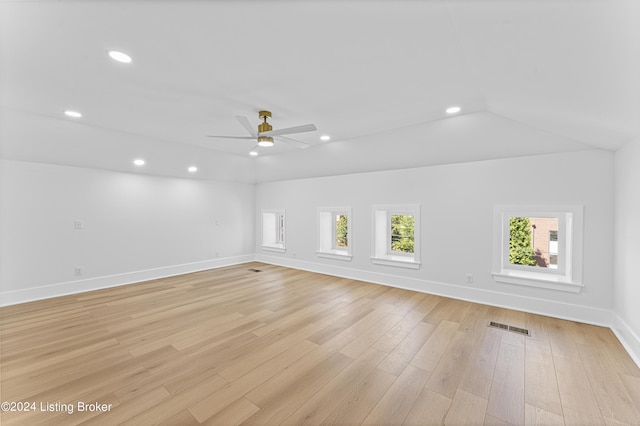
(281, 346)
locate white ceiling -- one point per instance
(532, 77)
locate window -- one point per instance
(334, 233)
(273, 230)
(539, 246)
(396, 231)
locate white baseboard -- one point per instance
(579, 313)
(80, 286)
(627, 337)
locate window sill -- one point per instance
(335, 254)
(278, 248)
(399, 261)
(553, 282)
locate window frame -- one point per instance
(568, 274)
(381, 251)
(326, 233)
(274, 230)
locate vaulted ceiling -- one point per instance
(530, 76)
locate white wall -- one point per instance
(135, 227)
(457, 209)
(626, 322)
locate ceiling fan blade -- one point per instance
(288, 130)
(290, 141)
(230, 137)
(247, 125)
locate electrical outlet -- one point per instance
(79, 271)
(469, 278)
(217, 254)
(77, 224)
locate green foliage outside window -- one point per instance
(342, 228)
(402, 233)
(520, 247)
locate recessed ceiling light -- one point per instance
(253, 153)
(325, 138)
(139, 162)
(73, 114)
(453, 110)
(119, 56)
(192, 169)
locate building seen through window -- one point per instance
(533, 241)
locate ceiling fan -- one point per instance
(265, 133)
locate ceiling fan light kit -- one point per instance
(265, 140)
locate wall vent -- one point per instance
(518, 330)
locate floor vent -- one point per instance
(254, 270)
(518, 330)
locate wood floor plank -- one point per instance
(197, 367)
(428, 304)
(490, 420)
(447, 375)
(214, 403)
(612, 396)
(401, 356)
(466, 409)
(448, 310)
(230, 346)
(393, 337)
(234, 414)
(478, 374)
(289, 392)
(506, 400)
(430, 408)
(579, 405)
(255, 358)
(357, 405)
(345, 318)
(177, 403)
(541, 385)
(534, 416)
(133, 388)
(396, 403)
(475, 320)
(612, 422)
(632, 384)
(365, 340)
(123, 412)
(183, 418)
(317, 408)
(561, 346)
(434, 348)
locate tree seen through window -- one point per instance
(342, 230)
(402, 233)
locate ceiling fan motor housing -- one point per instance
(264, 126)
